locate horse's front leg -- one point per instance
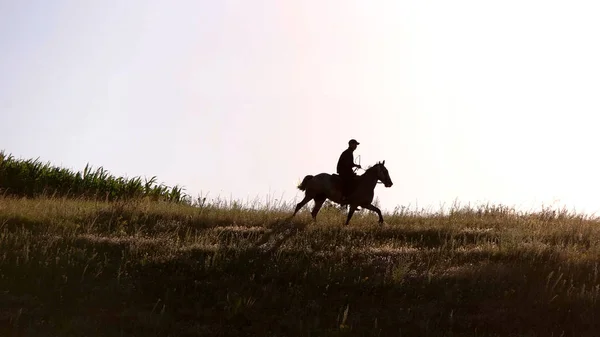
(376, 210)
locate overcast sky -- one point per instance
(475, 101)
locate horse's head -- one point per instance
(383, 174)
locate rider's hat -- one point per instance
(353, 141)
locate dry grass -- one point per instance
(74, 267)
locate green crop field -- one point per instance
(81, 258)
(32, 178)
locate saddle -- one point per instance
(337, 177)
(339, 182)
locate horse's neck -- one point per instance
(370, 178)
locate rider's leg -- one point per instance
(345, 183)
(348, 182)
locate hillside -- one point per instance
(143, 268)
(140, 266)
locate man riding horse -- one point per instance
(344, 169)
(359, 192)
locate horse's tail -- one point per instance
(302, 186)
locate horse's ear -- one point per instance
(383, 162)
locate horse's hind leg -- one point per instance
(350, 213)
(302, 203)
(319, 200)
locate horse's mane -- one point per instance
(372, 166)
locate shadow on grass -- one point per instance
(280, 231)
(296, 293)
(86, 286)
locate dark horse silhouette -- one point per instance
(328, 186)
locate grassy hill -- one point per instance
(138, 267)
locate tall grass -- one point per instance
(72, 267)
(32, 178)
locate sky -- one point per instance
(466, 101)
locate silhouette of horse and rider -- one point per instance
(345, 187)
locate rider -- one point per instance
(344, 168)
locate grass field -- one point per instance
(145, 268)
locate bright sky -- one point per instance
(467, 100)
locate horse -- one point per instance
(328, 186)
